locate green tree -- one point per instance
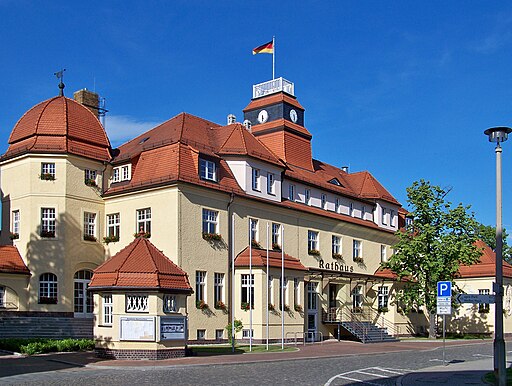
(487, 233)
(238, 327)
(432, 247)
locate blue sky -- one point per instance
(403, 89)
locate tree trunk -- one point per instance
(432, 328)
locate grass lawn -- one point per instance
(489, 377)
(226, 349)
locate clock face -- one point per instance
(262, 116)
(293, 115)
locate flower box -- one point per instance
(48, 234)
(337, 256)
(271, 307)
(110, 239)
(47, 177)
(91, 182)
(276, 247)
(220, 305)
(255, 244)
(145, 235)
(314, 252)
(89, 238)
(358, 259)
(47, 300)
(14, 236)
(201, 305)
(382, 309)
(246, 306)
(298, 308)
(286, 307)
(212, 237)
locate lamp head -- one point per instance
(498, 134)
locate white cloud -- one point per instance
(122, 128)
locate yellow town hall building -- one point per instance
(211, 198)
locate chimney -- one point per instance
(345, 169)
(231, 119)
(89, 99)
(248, 125)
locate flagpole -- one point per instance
(250, 286)
(268, 300)
(282, 287)
(233, 333)
(273, 57)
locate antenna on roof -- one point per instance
(60, 76)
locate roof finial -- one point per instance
(60, 76)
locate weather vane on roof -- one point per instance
(60, 76)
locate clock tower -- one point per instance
(277, 120)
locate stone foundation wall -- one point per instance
(139, 354)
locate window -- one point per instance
(89, 226)
(356, 250)
(312, 241)
(113, 226)
(296, 293)
(121, 173)
(408, 221)
(483, 307)
(253, 223)
(283, 291)
(271, 288)
(210, 224)
(218, 289)
(337, 205)
(2, 297)
(307, 196)
(351, 209)
(219, 334)
(246, 333)
(248, 289)
(144, 220)
(48, 222)
(15, 226)
(90, 177)
(200, 286)
(256, 179)
(207, 170)
(383, 254)
(137, 303)
(357, 298)
(291, 192)
(384, 219)
(271, 179)
(107, 310)
(383, 297)
(48, 288)
(324, 201)
(312, 296)
(276, 236)
(170, 303)
(47, 171)
(392, 218)
(336, 245)
(201, 334)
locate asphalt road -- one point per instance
(376, 369)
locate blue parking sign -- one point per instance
(444, 288)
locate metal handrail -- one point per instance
(304, 334)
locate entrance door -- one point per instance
(333, 294)
(312, 332)
(82, 298)
(357, 299)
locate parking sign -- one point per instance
(444, 289)
(444, 297)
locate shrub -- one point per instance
(40, 346)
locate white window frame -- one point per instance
(15, 226)
(170, 303)
(218, 288)
(201, 334)
(312, 295)
(48, 221)
(276, 234)
(253, 223)
(143, 220)
(256, 179)
(113, 225)
(296, 292)
(271, 288)
(313, 242)
(48, 286)
(122, 173)
(383, 296)
(207, 170)
(307, 196)
(201, 286)
(246, 333)
(90, 175)
(384, 217)
(247, 289)
(357, 249)
(383, 254)
(48, 168)
(107, 309)
(219, 334)
(392, 218)
(291, 192)
(336, 245)
(90, 224)
(210, 221)
(271, 183)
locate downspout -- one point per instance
(231, 269)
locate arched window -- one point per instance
(84, 274)
(48, 288)
(83, 303)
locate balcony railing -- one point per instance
(273, 86)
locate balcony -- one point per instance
(273, 86)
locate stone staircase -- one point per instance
(367, 332)
(45, 327)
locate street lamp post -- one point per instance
(498, 135)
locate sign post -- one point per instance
(444, 307)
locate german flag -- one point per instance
(267, 48)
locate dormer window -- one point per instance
(271, 179)
(256, 179)
(207, 170)
(291, 192)
(122, 173)
(335, 181)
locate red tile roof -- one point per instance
(140, 265)
(11, 261)
(366, 186)
(259, 259)
(59, 125)
(486, 267)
